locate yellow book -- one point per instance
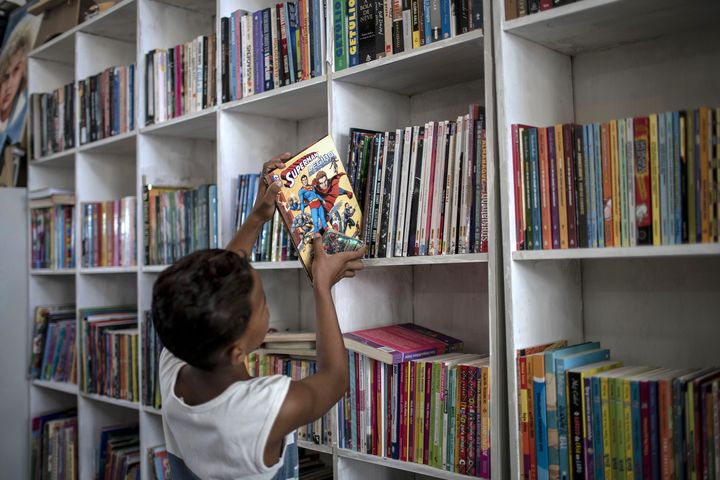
(561, 185)
(606, 427)
(655, 180)
(616, 202)
(485, 412)
(627, 420)
(419, 410)
(705, 202)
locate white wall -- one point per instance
(14, 401)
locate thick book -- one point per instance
(400, 343)
(315, 195)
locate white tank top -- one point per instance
(224, 438)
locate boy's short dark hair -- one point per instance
(201, 304)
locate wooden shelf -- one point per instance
(66, 158)
(663, 251)
(399, 465)
(64, 387)
(307, 99)
(107, 270)
(200, 125)
(596, 24)
(53, 271)
(123, 144)
(440, 64)
(112, 401)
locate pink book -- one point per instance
(431, 188)
(238, 61)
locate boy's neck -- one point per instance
(196, 386)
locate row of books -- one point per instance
(583, 416)
(52, 351)
(521, 8)
(272, 47)
(54, 446)
(110, 352)
(107, 103)
(159, 463)
(180, 80)
(297, 368)
(52, 231)
(638, 181)
(365, 30)
(415, 397)
(274, 243)
(119, 453)
(178, 221)
(151, 349)
(424, 188)
(109, 233)
(53, 120)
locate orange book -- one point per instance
(544, 189)
(607, 192)
(705, 201)
(614, 163)
(561, 185)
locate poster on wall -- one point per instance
(19, 39)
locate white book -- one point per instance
(402, 193)
(438, 190)
(200, 80)
(248, 75)
(162, 64)
(467, 183)
(459, 132)
(423, 198)
(630, 164)
(381, 200)
(407, 30)
(449, 190)
(411, 187)
(394, 194)
(275, 49)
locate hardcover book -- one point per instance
(315, 195)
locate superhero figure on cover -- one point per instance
(309, 197)
(329, 189)
(348, 221)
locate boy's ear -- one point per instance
(237, 353)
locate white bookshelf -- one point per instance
(593, 61)
(460, 295)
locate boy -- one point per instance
(210, 312)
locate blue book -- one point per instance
(540, 428)
(670, 179)
(591, 187)
(599, 215)
(316, 46)
(258, 57)
(636, 428)
(562, 364)
(267, 50)
(445, 18)
(654, 430)
(535, 188)
(662, 179)
(212, 194)
(353, 400)
(131, 96)
(353, 39)
(428, 24)
(599, 464)
(234, 57)
(676, 175)
(551, 398)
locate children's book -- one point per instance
(316, 195)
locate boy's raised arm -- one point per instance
(263, 209)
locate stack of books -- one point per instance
(119, 453)
(274, 243)
(52, 231)
(54, 445)
(159, 463)
(152, 347)
(178, 221)
(271, 48)
(365, 30)
(180, 80)
(53, 120)
(415, 397)
(53, 350)
(107, 103)
(583, 415)
(108, 233)
(649, 180)
(423, 189)
(110, 352)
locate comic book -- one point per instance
(316, 195)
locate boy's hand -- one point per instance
(264, 206)
(327, 269)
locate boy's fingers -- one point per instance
(317, 244)
(355, 265)
(353, 255)
(273, 190)
(349, 274)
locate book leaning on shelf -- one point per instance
(52, 352)
(119, 453)
(423, 189)
(151, 349)
(107, 103)
(583, 416)
(54, 446)
(110, 352)
(52, 231)
(272, 47)
(180, 80)
(650, 180)
(415, 397)
(178, 221)
(364, 30)
(53, 120)
(109, 233)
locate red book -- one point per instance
(461, 457)
(645, 427)
(390, 401)
(411, 414)
(546, 4)
(643, 208)
(517, 176)
(606, 184)
(545, 189)
(358, 403)
(400, 343)
(403, 413)
(570, 186)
